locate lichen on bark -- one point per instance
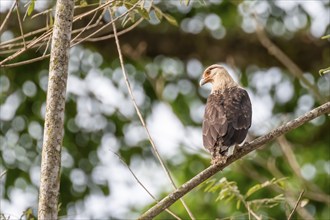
(54, 118)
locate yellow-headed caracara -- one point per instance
(228, 113)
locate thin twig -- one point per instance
(39, 30)
(26, 61)
(249, 171)
(3, 173)
(43, 36)
(240, 152)
(88, 24)
(119, 33)
(314, 192)
(48, 43)
(291, 159)
(9, 43)
(141, 184)
(297, 203)
(140, 115)
(41, 44)
(241, 198)
(108, 24)
(49, 33)
(284, 59)
(75, 8)
(7, 16)
(44, 56)
(103, 6)
(101, 16)
(290, 197)
(20, 23)
(289, 156)
(8, 51)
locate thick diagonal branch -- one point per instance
(242, 151)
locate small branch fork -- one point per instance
(242, 151)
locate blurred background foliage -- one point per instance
(164, 62)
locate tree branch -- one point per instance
(240, 152)
(7, 16)
(54, 118)
(285, 60)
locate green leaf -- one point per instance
(266, 202)
(253, 189)
(126, 19)
(324, 71)
(144, 13)
(304, 202)
(170, 19)
(132, 17)
(28, 214)
(325, 37)
(31, 7)
(51, 20)
(129, 4)
(210, 184)
(238, 204)
(158, 13)
(83, 3)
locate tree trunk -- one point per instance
(54, 119)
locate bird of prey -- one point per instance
(228, 113)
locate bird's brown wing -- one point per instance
(215, 121)
(227, 118)
(238, 111)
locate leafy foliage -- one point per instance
(228, 191)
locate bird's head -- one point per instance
(218, 76)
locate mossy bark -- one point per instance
(54, 118)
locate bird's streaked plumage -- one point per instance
(227, 115)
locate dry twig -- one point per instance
(47, 35)
(7, 16)
(20, 23)
(297, 203)
(249, 171)
(242, 151)
(140, 115)
(141, 184)
(285, 60)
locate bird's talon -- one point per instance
(219, 160)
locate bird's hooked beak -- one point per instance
(208, 75)
(204, 81)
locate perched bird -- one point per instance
(228, 113)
